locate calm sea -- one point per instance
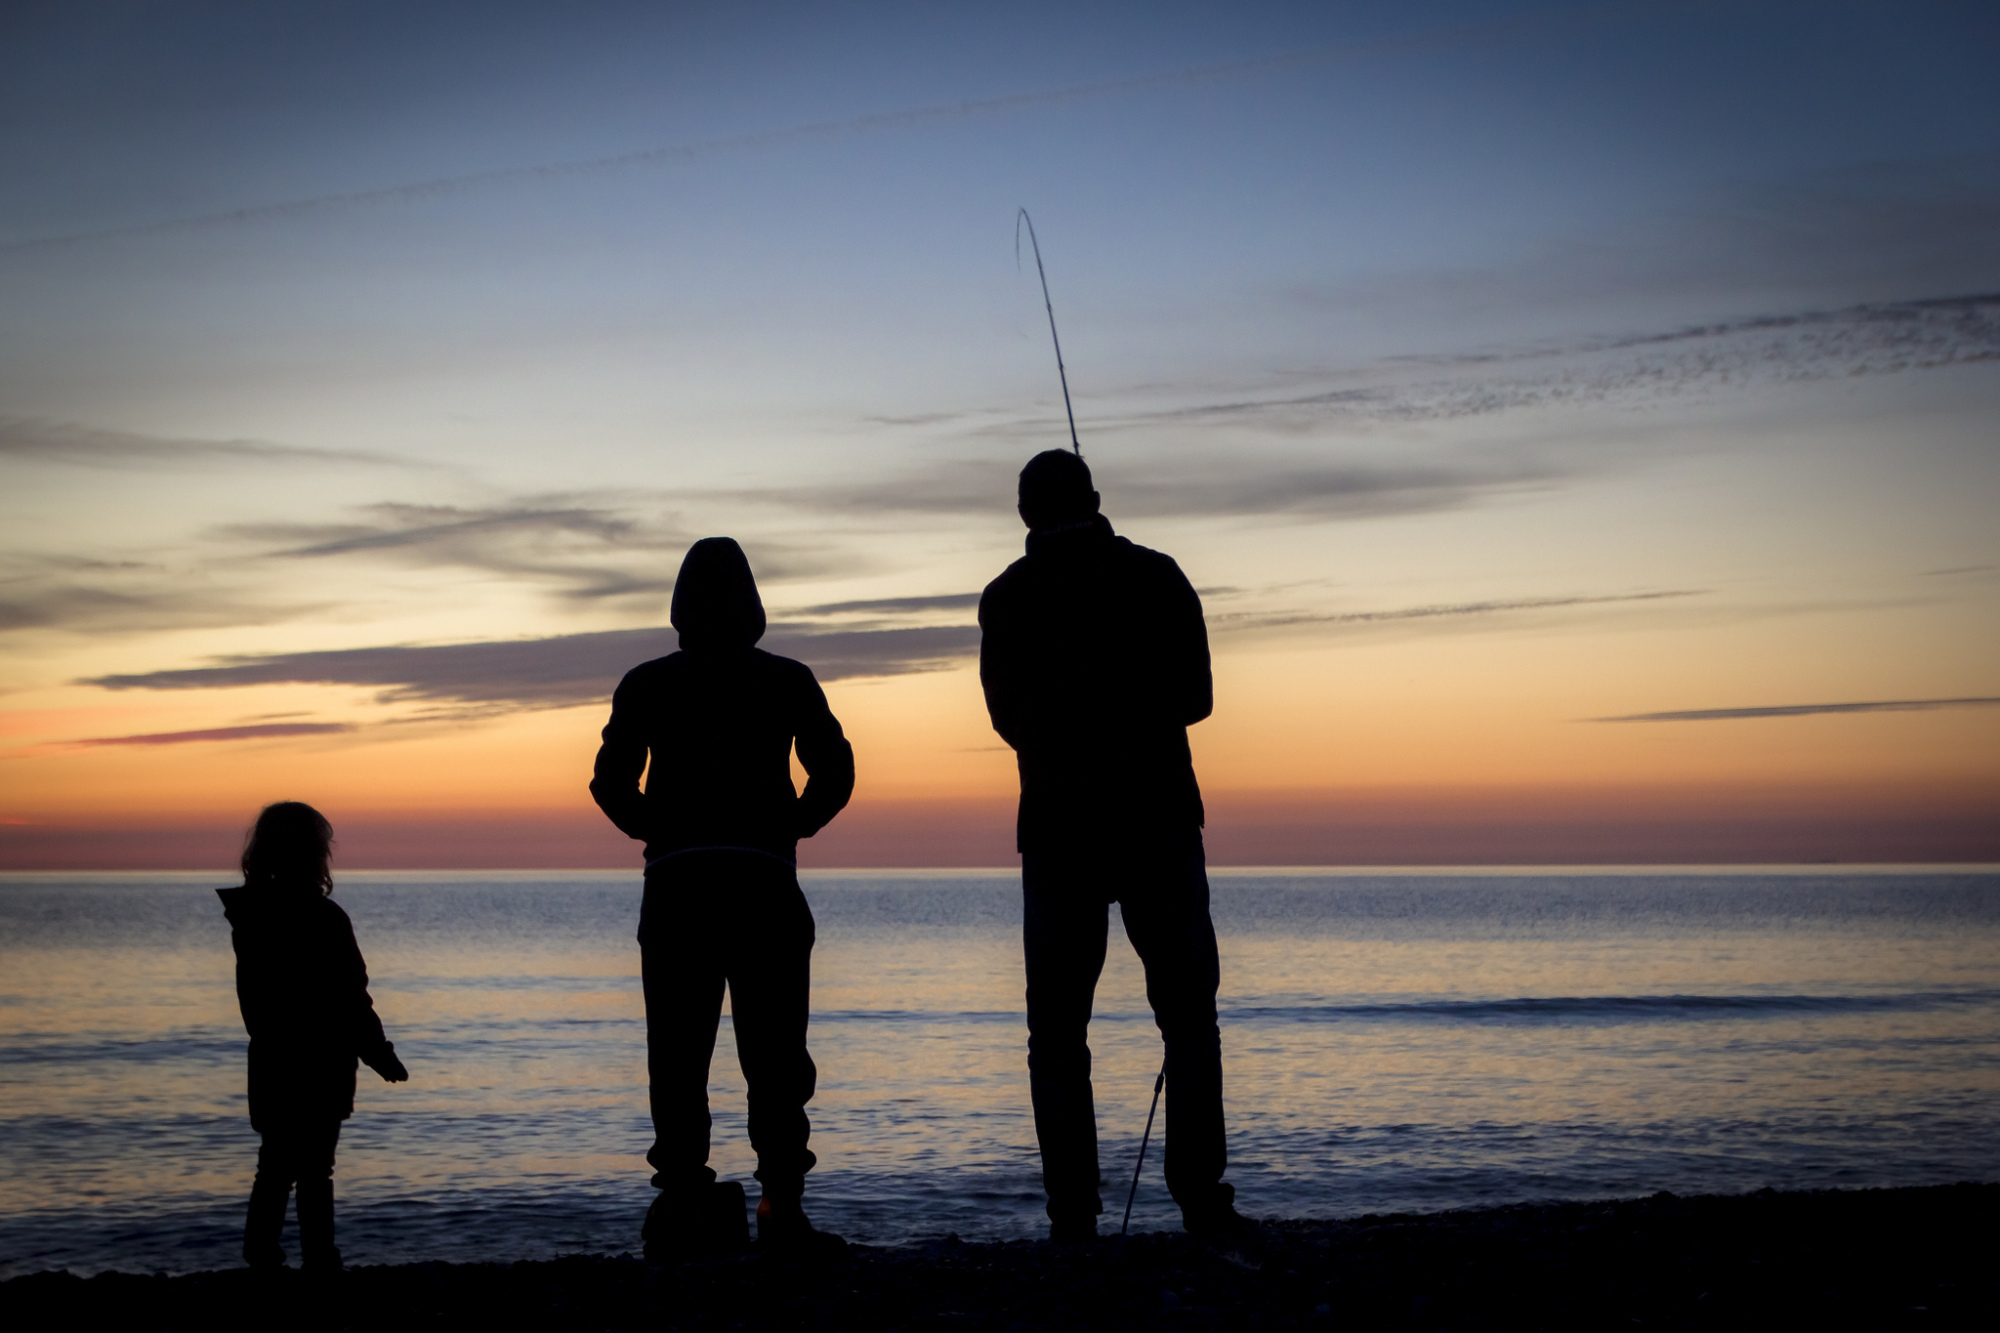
(1394, 1041)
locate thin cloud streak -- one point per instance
(1805, 710)
(583, 546)
(556, 544)
(958, 601)
(84, 446)
(266, 731)
(1627, 373)
(82, 609)
(1337, 491)
(557, 672)
(912, 118)
(1253, 620)
(1875, 339)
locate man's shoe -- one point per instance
(1073, 1228)
(1218, 1222)
(322, 1262)
(784, 1228)
(712, 1220)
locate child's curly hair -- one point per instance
(289, 846)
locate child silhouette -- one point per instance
(303, 988)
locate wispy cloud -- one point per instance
(266, 731)
(1247, 487)
(896, 606)
(1270, 438)
(1274, 620)
(1340, 491)
(1876, 231)
(555, 672)
(1805, 710)
(1876, 339)
(152, 604)
(85, 446)
(587, 550)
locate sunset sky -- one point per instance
(1582, 422)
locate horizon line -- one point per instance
(1241, 871)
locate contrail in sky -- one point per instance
(1805, 710)
(912, 118)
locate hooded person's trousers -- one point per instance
(293, 1153)
(734, 919)
(1163, 897)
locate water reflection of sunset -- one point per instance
(1425, 1031)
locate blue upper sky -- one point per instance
(1223, 189)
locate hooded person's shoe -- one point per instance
(713, 1219)
(1073, 1228)
(784, 1228)
(265, 1257)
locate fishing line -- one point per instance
(1063, 374)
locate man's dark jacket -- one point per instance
(303, 989)
(1094, 658)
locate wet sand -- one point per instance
(1884, 1259)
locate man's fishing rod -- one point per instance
(1048, 305)
(1146, 1138)
(1062, 373)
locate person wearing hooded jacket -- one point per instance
(303, 989)
(1094, 661)
(713, 727)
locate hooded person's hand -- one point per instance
(390, 1068)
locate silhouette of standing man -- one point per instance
(721, 822)
(1094, 659)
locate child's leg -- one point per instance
(316, 1143)
(276, 1169)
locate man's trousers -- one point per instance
(1163, 897)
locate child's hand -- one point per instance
(392, 1070)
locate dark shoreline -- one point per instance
(1894, 1258)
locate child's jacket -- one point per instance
(303, 988)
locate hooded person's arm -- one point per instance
(621, 759)
(825, 755)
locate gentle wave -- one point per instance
(1526, 1009)
(1618, 1008)
(559, 1033)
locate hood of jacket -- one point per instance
(253, 907)
(715, 597)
